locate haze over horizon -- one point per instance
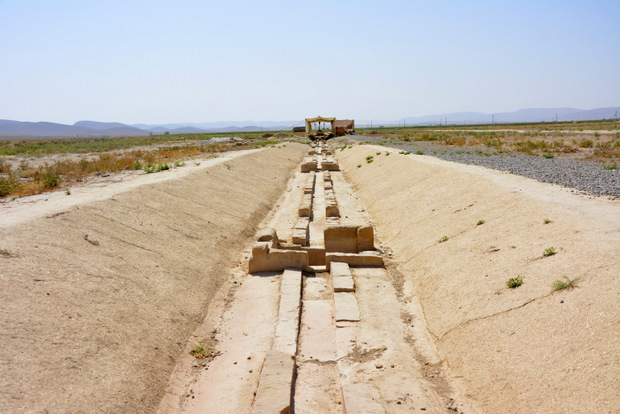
(190, 61)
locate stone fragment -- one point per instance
(275, 385)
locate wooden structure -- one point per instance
(338, 127)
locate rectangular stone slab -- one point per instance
(275, 384)
(346, 308)
(340, 269)
(343, 284)
(290, 310)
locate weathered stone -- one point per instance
(260, 248)
(361, 399)
(366, 259)
(340, 269)
(275, 385)
(343, 284)
(269, 235)
(278, 260)
(345, 306)
(290, 308)
(341, 238)
(365, 238)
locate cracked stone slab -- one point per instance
(340, 269)
(346, 308)
(290, 308)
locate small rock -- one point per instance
(562, 301)
(250, 371)
(235, 362)
(392, 365)
(422, 408)
(378, 366)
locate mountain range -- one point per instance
(18, 129)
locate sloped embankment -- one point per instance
(527, 349)
(98, 301)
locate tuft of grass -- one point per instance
(49, 179)
(378, 152)
(359, 165)
(67, 191)
(514, 282)
(419, 152)
(387, 153)
(548, 155)
(565, 284)
(610, 167)
(546, 221)
(443, 239)
(480, 222)
(179, 164)
(369, 159)
(200, 352)
(549, 252)
(137, 166)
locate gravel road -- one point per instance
(586, 176)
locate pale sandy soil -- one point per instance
(100, 291)
(514, 350)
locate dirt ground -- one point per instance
(104, 291)
(527, 349)
(100, 290)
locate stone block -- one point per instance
(308, 165)
(341, 238)
(305, 207)
(343, 284)
(287, 328)
(366, 259)
(269, 235)
(340, 269)
(345, 307)
(300, 236)
(275, 385)
(365, 238)
(260, 248)
(278, 260)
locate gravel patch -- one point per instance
(585, 176)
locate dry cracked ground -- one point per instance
(106, 292)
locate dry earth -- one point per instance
(102, 323)
(98, 297)
(515, 350)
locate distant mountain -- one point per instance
(16, 129)
(522, 115)
(101, 126)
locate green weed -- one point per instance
(443, 239)
(567, 284)
(480, 222)
(514, 282)
(549, 252)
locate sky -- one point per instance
(161, 62)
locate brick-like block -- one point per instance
(343, 284)
(269, 235)
(278, 260)
(345, 307)
(341, 238)
(308, 165)
(260, 248)
(366, 259)
(340, 269)
(365, 238)
(275, 385)
(287, 328)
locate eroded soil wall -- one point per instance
(518, 350)
(98, 301)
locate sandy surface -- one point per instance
(100, 291)
(514, 350)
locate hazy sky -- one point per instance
(200, 61)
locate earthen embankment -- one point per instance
(458, 233)
(98, 301)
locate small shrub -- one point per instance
(378, 152)
(480, 222)
(514, 282)
(369, 159)
(49, 179)
(610, 167)
(419, 152)
(567, 284)
(149, 169)
(359, 165)
(178, 164)
(443, 239)
(387, 153)
(549, 252)
(137, 166)
(547, 155)
(9, 185)
(546, 221)
(67, 191)
(586, 143)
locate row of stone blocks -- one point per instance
(353, 244)
(331, 204)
